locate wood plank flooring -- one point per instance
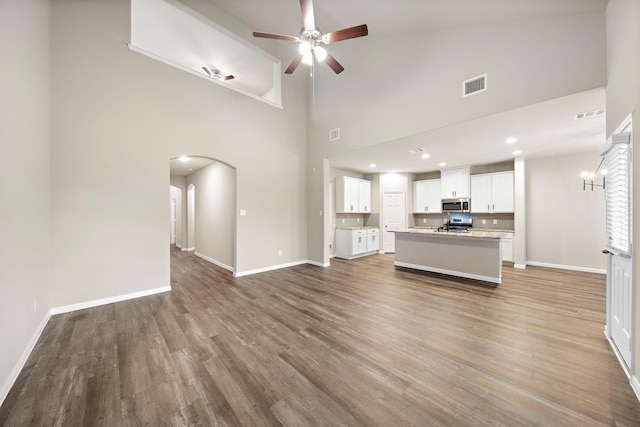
(359, 344)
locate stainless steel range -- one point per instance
(458, 225)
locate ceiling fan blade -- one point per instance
(275, 36)
(307, 14)
(229, 77)
(206, 70)
(294, 64)
(335, 65)
(347, 33)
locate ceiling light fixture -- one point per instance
(372, 165)
(442, 164)
(425, 156)
(321, 53)
(588, 177)
(184, 159)
(511, 140)
(517, 152)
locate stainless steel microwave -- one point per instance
(456, 205)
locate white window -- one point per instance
(618, 192)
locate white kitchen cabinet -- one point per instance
(506, 245)
(353, 195)
(373, 239)
(427, 196)
(492, 192)
(352, 243)
(454, 183)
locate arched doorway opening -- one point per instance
(208, 208)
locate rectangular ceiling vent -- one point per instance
(417, 150)
(474, 85)
(334, 134)
(587, 114)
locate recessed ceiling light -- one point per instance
(517, 152)
(511, 140)
(372, 165)
(425, 156)
(442, 164)
(184, 158)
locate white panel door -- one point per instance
(393, 215)
(620, 315)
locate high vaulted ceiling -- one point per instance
(542, 129)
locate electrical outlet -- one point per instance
(358, 220)
(343, 220)
(495, 221)
(320, 213)
(279, 252)
(424, 220)
(330, 245)
(484, 221)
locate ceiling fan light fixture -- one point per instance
(321, 53)
(304, 48)
(307, 58)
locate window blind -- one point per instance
(618, 193)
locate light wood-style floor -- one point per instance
(360, 344)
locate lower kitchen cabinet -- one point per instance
(506, 244)
(353, 243)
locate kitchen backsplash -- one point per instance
(504, 221)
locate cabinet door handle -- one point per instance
(365, 208)
(488, 208)
(493, 207)
(351, 208)
(426, 208)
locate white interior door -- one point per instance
(620, 283)
(393, 217)
(173, 222)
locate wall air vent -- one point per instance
(474, 85)
(587, 114)
(334, 134)
(417, 150)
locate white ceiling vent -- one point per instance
(334, 134)
(474, 85)
(417, 150)
(587, 114)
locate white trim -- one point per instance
(178, 246)
(6, 387)
(271, 268)
(635, 386)
(449, 272)
(104, 301)
(567, 267)
(520, 266)
(203, 76)
(189, 249)
(319, 264)
(213, 261)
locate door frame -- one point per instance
(628, 368)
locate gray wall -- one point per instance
(565, 225)
(623, 97)
(215, 212)
(118, 117)
(25, 94)
(522, 70)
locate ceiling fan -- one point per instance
(216, 74)
(311, 38)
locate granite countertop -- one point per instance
(496, 230)
(475, 234)
(356, 227)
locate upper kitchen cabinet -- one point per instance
(353, 195)
(454, 183)
(492, 192)
(426, 196)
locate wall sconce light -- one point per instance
(588, 177)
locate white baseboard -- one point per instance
(567, 267)
(635, 385)
(110, 300)
(318, 264)
(448, 272)
(188, 249)
(271, 268)
(520, 266)
(213, 261)
(6, 387)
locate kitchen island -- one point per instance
(471, 254)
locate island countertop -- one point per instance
(471, 254)
(473, 234)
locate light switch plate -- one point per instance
(243, 212)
